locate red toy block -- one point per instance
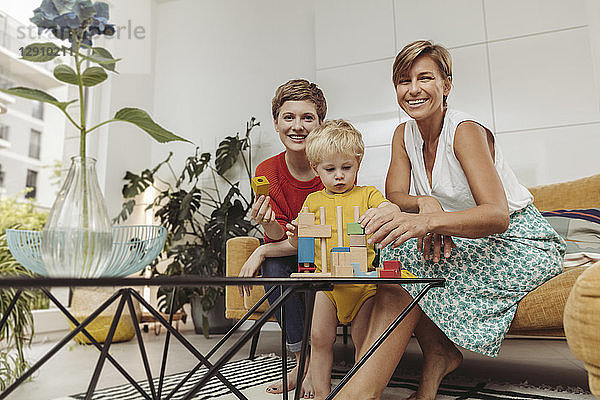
(392, 265)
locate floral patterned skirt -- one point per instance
(485, 279)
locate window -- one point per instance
(1, 176)
(38, 110)
(31, 183)
(35, 141)
(4, 131)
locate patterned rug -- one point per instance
(251, 378)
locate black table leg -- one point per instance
(163, 365)
(283, 351)
(308, 313)
(11, 306)
(187, 345)
(114, 362)
(236, 347)
(223, 340)
(380, 340)
(58, 346)
(105, 348)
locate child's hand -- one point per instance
(292, 233)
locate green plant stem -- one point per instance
(100, 124)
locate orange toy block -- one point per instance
(260, 185)
(358, 240)
(316, 231)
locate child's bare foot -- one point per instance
(307, 391)
(436, 365)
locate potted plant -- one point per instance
(199, 219)
(79, 219)
(18, 330)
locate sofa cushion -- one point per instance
(541, 311)
(579, 228)
(580, 193)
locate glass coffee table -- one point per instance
(309, 286)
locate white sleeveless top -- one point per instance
(449, 183)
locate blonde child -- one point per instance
(335, 150)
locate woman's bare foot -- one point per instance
(438, 362)
(307, 391)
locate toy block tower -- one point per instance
(260, 185)
(307, 233)
(340, 255)
(358, 242)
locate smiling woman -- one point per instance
(463, 216)
(298, 107)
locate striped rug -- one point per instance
(251, 378)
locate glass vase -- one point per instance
(77, 237)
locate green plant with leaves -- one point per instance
(199, 219)
(78, 21)
(18, 331)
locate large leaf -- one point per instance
(66, 74)
(103, 57)
(36, 94)
(137, 183)
(93, 76)
(227, 153)
(40, 52)
(141, 119)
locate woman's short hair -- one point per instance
(299, 90)
(335, 136)
(407, 56)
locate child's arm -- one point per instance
(292, 233)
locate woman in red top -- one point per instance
(298, 107)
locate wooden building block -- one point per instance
(310, 275)
(316, 231)
(406, 274)
(344, 259)
(388, 274)
(354, 228)
(306, 218)
(359, 255)
(260, 185)
(392, 265)
(340, 250)
(306, 250)
(358, 240)
(343, 271)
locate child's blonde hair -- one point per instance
(334, 136)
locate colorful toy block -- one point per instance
(306, 218)
(306, 250)
(340, 250)
(359, 255)
(358, 241)
(343, 271)
(260, 185)
(315, 231)
(354, 228)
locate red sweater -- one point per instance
(287, 193)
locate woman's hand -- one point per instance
(390, 225)
(261, 211)
(430, 205)
(250, 269)
(292, 233)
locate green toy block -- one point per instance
(354, 228)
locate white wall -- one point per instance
(526, 68)
(206, 68)
(529, 69)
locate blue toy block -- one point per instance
(306, 250)
(355, 268)
(340, 250)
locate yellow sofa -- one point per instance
(540, 313)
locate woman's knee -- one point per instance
(276, 267)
